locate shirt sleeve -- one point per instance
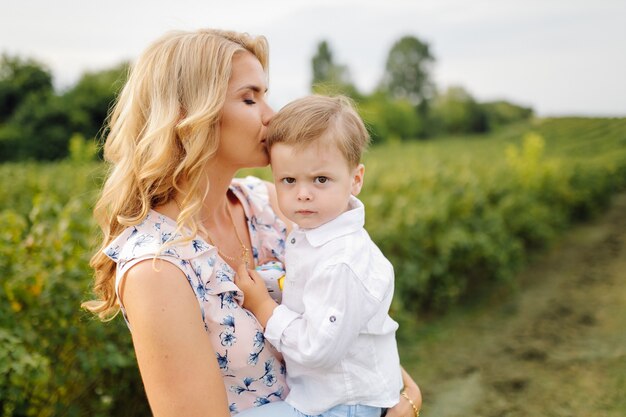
(120, 276)
(336, 308)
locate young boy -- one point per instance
(332, 326)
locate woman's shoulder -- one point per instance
(155, 235)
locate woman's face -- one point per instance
(245, 116)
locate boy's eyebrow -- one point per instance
(252, 87)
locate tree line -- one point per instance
(406, 104)
(39, 123)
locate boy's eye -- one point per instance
(288, 180)
(321, 179)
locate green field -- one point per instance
(454, 215)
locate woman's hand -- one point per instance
(404, 408)
(256, 298)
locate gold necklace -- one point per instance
(245, 252)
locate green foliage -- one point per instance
(402, 106)
(452, 215)
(42, 122)
(25, 374)
(456, 111)
(405, 106)
(501, 113)
(59, 360)
(324, 68)
(389, 120)
(81, 150)
(39, 129)
(19, 78)
(330, 78)
(408, 71)
(37, 123)
(91, 98)
(29, 111)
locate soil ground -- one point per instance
(555, 346)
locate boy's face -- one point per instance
(313, 183)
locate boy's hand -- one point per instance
(256, 298)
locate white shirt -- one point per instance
(333, 327)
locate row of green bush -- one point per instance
(452, 215)
(451, 231)
(56, 360)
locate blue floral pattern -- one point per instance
(252, 371)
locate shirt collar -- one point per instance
(347, 222)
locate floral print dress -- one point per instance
(252, 370)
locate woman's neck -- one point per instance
(215, 204)
(214, 210)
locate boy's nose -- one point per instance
(304, 194)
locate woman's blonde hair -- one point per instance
(317, 117)
(164, 128)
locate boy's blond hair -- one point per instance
(311, 118)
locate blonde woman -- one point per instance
(177, 225)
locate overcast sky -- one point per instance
(558, 56)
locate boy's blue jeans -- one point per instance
(282, 409)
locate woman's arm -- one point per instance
(176, 359)
(404, 407)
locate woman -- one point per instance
(177, 225)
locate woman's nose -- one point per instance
(268, 114)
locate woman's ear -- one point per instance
(357, 179)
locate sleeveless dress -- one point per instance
(252, 370)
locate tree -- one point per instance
(20, 78)
(40, 123)
(408, 71)
(331, 78)
(40, 128)
(456, 111)
(501, 112)
(323, 65)
(390, 119)
(89, 101)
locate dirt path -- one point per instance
(556, 347)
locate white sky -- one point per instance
(558, 56)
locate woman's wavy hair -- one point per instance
(162, 131)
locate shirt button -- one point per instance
(293, 240)
(332, 319)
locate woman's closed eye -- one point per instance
(249, 101)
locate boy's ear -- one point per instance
(357, 179)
